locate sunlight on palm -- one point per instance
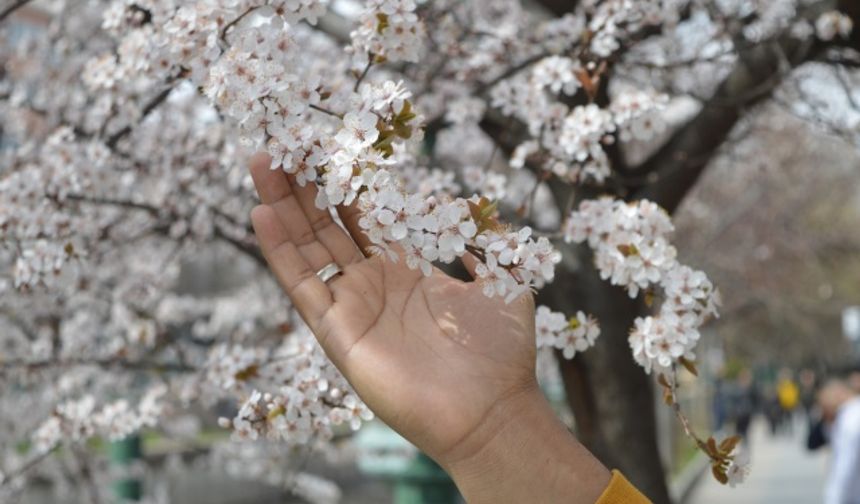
(430, 355)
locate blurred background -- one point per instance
(762, 174)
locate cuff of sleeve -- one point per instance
(620, 491)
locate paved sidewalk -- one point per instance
(783, 472)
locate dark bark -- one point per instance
(12, 8)
(611, 396)
(681, 160)
(558, 7)
(852, 9)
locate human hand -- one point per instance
(431, 356)
(450, 369)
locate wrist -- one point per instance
(521, 452)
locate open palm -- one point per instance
(431, 356)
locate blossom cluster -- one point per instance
(570, 336)
(832, 24)
(126, 147)
(739, 467)
(304, 395)
(632, 249)
(571, 142)
(77, 420)
(47, 236)
(429, 229)
(388, 30)
(350, 151)
(630, 240)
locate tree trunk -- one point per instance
(610, 395)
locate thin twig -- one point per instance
(716, 58)
(30, 464)
(249, 249)
(12, 8)
(325, 111)
(100, 363)
(95, 200)
(510, 72)
(840, 72)
(364, 72)
(147, 109)
(676, 408)
(233, 23)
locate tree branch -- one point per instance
(558, 7)
(147, 109)
(249, 249)
(103, 363)
(846, 57)
(95, 200)
(681, 160)
(231, 24)
(27, 466)
(510, 72)
(8, 11)
(364, 72)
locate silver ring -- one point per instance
(329, 271)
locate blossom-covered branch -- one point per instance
(125, 198)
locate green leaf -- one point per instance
(483, 214)
(489, 210)
(628, 250)
(383, 22)
(403, 131)
(405, 115)
(276, 412)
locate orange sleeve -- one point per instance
(620, 491)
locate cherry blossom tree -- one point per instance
(545, 145)
(785, 251)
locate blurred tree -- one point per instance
(785, 247)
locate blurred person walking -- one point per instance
(745, 402)
(854, 381)
(720, 403)
(771, 408)
(807, 391)
(840, 409)
(789, 396)
(816, 436)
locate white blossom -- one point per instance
(739, 468)
(832, 24)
